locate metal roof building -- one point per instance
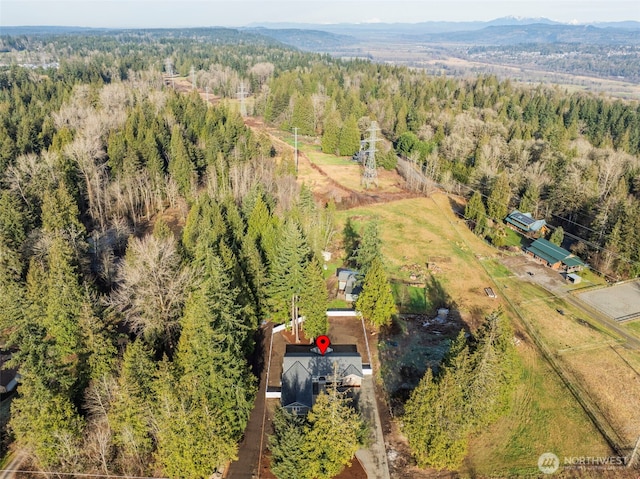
(554, 256)
(525, 222)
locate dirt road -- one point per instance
(14, 466)
(250, 449)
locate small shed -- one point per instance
(349, 284)
(574, 278)
(343, 277)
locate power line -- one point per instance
(578, 238)
(76, 474)
(242, 94)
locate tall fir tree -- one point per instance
(334, 433)
(303, 116)
(331, 133)
(313, 301)
(181, 168)
(288, 458)
(369, 247)
(530, 200)
(286, 276)
(498, 201)
(349, 139)
(376, 302)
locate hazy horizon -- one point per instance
(238, 13)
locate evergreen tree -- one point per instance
(181, 167)
(369, 248)
(60, 214)
(376, 301)
(333, 434)
(130, 412)
(189, 439)
(349, 139)
(493, 363)
(331, 134)
(47, 424)
(303, 117)
(436, 423)
(476, 213)
(557, 237)
(530, 200)
(313, 301)
(63, 308)
(498, 201)
(288, 458)
(472, 390)
(286, 276)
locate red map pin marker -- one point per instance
(323, 343)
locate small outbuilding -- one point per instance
(574, 278)
(348, 284)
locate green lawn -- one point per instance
(514, 238)
(410, 299)
(315, 154)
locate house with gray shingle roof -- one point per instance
(306, 373)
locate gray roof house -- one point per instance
(306, 373)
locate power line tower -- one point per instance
(242, 94)
(168, 66)
(370, 172)
(193, 78)
(295, 147)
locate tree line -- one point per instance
(471, 389)
(574, 156)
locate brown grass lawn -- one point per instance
(633, 327)
(614, 385)
(544, 418)
(419, 231)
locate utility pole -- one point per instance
(241, 96)
(193, 78)
(370, 172)
(295, 147)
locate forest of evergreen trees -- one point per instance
(139, 226)
(143, 237)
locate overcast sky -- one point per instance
(190, 13)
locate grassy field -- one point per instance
(634, 327)
(545, 416)
(418, 236)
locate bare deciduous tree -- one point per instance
(151, 290)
